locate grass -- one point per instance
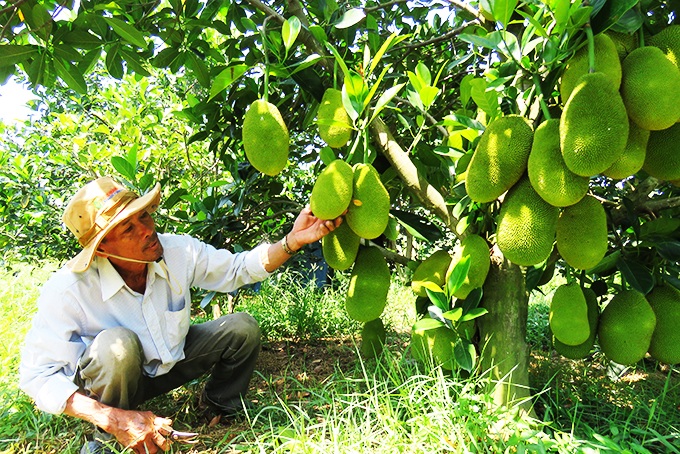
(316, 394)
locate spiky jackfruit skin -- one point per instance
(650, 89)
(662, 157)
(373, 338)
(569, 314)
(668, 41)
(340, 247)
(593, 126)
(369, 210)
(331, 116)
(549, 175)
(332, 191)
(633, 156)
(582, 233)
(526, 225)
(369, 284)
(432, 269)
(434, 346)
(500, 158)
(581, 350)
(265, 137)
(665, 344)
(480, 261)
(624, 42)
(626, 327)
(607, 61)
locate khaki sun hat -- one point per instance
(96, 209)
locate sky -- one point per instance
(13, 99)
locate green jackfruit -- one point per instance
(633, 156)
(650, 89)
(662, 158)
(549, 175)
(668, 40)
(665, 344)
(500, 158)
(369, 210)
(434, 346)
(569, 314)
(582, 233)
(624, 42)
(626, 327)
(331, 118)
(340, 247)
(432, 269)
(265, 137)
(607, 61)
(373, 338)
(526, 225)
(476, 247)
(332, 191)
(369, 284)
(581, 350)
(593, 126)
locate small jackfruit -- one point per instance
(633, 156)
(662, 157)
(626, 327)
(434, 346)
(477, 249)
(581, 350)
(369, 211)
(340, 247)
(668, 40)
(265, 137)
(369, 284)
(332, 191)
(569, 314)
(665, 344)
(582, 233)
(373, 338)
(607, 61)
(650, 89)
(526, 225)
(500, 158)
(432, 269)
(593, 126)
(549, 175)
(334, 121)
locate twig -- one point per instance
(465, 6)
(429, 117)
(383, 6)
(444, 37)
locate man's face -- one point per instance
(134, 238)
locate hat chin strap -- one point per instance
(106, 254)
(158, 260)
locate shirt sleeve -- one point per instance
(50, 354)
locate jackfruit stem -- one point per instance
(541, 100)
(263, 32)
(591, 48)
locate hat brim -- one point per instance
(148, 202)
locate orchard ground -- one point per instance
(314, 393)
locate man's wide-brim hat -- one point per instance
(96, 209)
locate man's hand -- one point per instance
(308, 229)
(141, 431)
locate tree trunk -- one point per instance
(505, 356)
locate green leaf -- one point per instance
(437, 296)
(486, 100)
(165, 57)
(418, 226)
(226, 78)
(473, 314)
(351, 17)
(70, 74)
(669, 250)
(606, 264)
(426, 324)
(134, 62)
(123, 167)
(339, 60)
(560, 10)
(174, 198)
(610, 14)
(637, 276)
(290, 32)
(327, 155)
(427, 95)
(473, 299)
(462, 120)
(385, 98)
(126, 31)
(392, 230)
(659, 226)
(319, 33)
(466, 89)
(464, 352)
(67, 53)
(458, 275)
(415, 81)
(423, 73)
(199, 70)
(454, 314)
(503, 9)
(306, 63)
(42, 21)
(11, 54)
(392, 40)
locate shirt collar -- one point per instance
(111, 282)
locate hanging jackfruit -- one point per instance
(582, 233)
(624, 42)
(633, 156)
(332, 190)
(434, 346)
(265, 137)
(581, 350)
(526, 225)
(607, 61)
(369, 210)
(662, 157)
(340, 247)
(593, 126)
(477, 249)
(668, 40)
(331, 118)
(500, 158)
(626, 327)
(432, 269)
(650, 89)
(569, 314)
(549, 175)
(369, 284)
(373, 338)
(665, 344)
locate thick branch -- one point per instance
(465, 6)
(417, 184)
(650, 206)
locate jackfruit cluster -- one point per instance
(265, 137)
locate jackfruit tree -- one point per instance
(537, 128)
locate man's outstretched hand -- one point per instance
(308, 229)
(141, 431)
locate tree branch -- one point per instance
(388, 254)
(446, 36)
(383, 6)
(429, 117)
(465, 6)
(416, 182)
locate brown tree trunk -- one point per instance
(505, 355)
